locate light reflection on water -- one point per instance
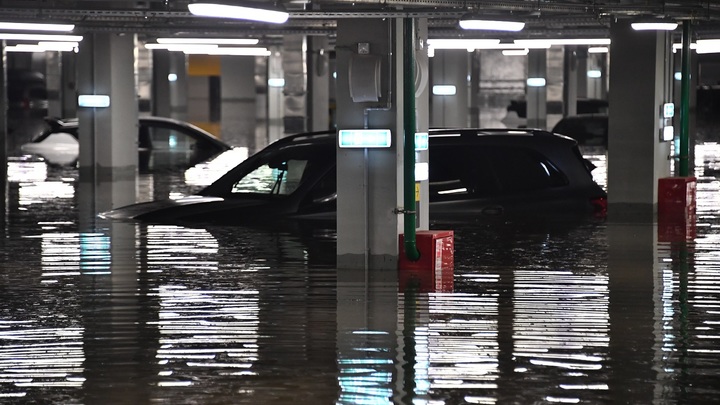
(540, 313)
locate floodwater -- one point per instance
(95, 312)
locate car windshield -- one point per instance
(282, 173)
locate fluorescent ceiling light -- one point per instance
(654, 26)
(594, 74)
(530, 43)
(44, 46)
(218, 41)
(182, 47)
(707, 46)
(36, 27)
(598, 49)
(471, 22)
(462, 43)
(515, 52)
(229, 51)
(40, 37)
(238, 12)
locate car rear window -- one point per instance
(481, 171)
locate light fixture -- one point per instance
(536, 82)
(444, 90)
(249, 11)
(217, 41)
(229, 51)
(594, 74)
(476, 22)
(40, 37)
(707, 46)
(462, 43)
(515, 52)
(598, 49)
(654, 25)
(14, 26)
(536, 43)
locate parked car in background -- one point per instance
(587, 129)
(163, 143)
(27, 98)
(474, 174)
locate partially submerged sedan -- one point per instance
(163, 143)
(474, 173)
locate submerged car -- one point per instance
(163, 143)
(473, 173)
(587, 129)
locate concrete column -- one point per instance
(570, 81)
(68, 81)
(295, 91)
(369, 184)
(53, 82)
(275, 97)
(318, 84)
(160, 83)
(474, 98)
(637, 158)
(237, 100)
(108, 136)
(449, 67)
(582, 56)
(3, 134)
(537, 92)
(179, 87)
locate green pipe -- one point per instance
(410, 242)
(685, 102)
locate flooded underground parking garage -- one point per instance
(592, 312)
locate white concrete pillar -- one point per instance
(536, 93)
(237, 100)
(570, 81)
(275, 98)
(449, 67)
(639, 85)
(318, 79)
(370, 181)
(108, 136)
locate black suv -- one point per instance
(474, 174)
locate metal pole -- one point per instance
(409, 140)
(685, 102)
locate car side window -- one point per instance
(522, 169)
(483, 171)
(169, 140)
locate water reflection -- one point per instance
(101, 312)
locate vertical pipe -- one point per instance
(409, 140)
(685, 102)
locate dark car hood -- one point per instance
(135, 210)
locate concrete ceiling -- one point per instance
(544, 18)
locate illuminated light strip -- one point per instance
(40, 37)
(238, 12)
(36, 26)
(217, 41)
(570, 41)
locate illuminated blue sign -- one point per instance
(93, 100)
(421, 141)
(364, 138)
(668, 110)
